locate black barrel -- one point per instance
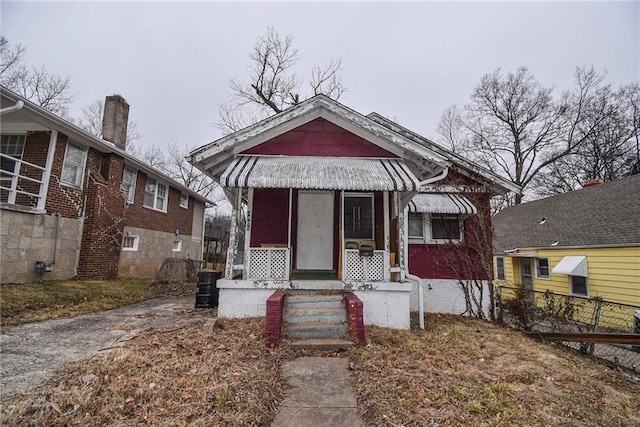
(208, 291)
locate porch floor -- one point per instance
(314, 275)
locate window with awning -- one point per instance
(572, 266)
(454, 204)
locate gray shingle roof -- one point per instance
(605, 214)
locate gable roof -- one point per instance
(602, 215)
(425, 159)
(32, 113)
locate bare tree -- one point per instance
(610, 152)
(91, 121)
(183, 171)
(512, 124)
(272, 86)
(49, 91)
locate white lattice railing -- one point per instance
(268, 263)
(359, 268)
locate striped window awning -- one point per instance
(441, 204)
(572, 266)
(319, 173)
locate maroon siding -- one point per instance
(320, 138)
(270, 216)
(456, 261)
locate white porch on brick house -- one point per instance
(343, 217)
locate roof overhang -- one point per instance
(572, 265)
(442, 204)
(319, 173)
(522, 254)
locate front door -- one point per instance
(314, 248)
(526, 277)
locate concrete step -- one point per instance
(315, 315)
(317, 330)
(322, 344)
(313, 301)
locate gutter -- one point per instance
(18, 106)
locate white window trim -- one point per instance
(184, 206)
(586, 281)
(373, 213)
(136, 243)
(427, 233)
(155, 197)
(548, 268)
(504, 273)
(179, 242)
(133, 184)
(84, 165)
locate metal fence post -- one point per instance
(596, 321)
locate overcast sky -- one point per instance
(407, 61)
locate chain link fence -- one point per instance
(539, 311)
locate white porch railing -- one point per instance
(18, 189)
(358, 268)
(268, 263)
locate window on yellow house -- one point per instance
(500, 268)
(542, 268)
(579, 286)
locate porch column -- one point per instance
(233, 233)
(387, 245)
(247, 234)
(402, 241)
(46, 175)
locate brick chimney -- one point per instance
(115, 119)
(593, 182)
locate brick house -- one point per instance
(335, 200)
(74, 205)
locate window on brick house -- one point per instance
(12, 147)
(73, 165)
(130, 242)
(129, 183)
(184, 201)
(155, 195)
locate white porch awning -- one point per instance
(319, 173)
(441, 204)
(572, 266)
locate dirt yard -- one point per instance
(458, 371)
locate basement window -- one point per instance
(130, 243)
(177, 245)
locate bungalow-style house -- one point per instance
(584, 243)
(325, 198)
(74, 205)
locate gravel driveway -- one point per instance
(31, 353)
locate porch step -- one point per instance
(313, 300)
(322, 344)
(315, 314)
(317, 330)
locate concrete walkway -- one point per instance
(31, 353)
(320, 394)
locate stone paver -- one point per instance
(320, 394)
(31, 353)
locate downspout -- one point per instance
(408, 275)
(18, 106)
(55, 241)
(420, 297)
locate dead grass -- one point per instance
(458, 371)
(183, 377)
(461, 371)
(27, 303)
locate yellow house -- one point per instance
(584, 243)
